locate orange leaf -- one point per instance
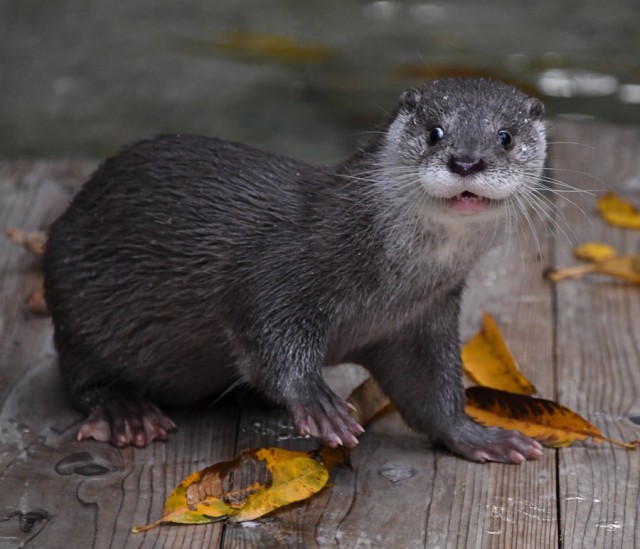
(550, 423)
(486, 359)
(618, 212)
(254, 483)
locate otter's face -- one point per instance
(470, 145)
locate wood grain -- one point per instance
(578, 341)
(598, 345)
(93, 493)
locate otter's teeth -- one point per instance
(468, 202)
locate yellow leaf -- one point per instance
(486, 359)
(618, 212)
(594, 251)
(550, 423)
(255, 482)
(368, 401)
(292, 480)
(623, 267)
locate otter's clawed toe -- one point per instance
(328, 419)
(477, 443)
(126, 421)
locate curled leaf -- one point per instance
(486, 359)
(254, 483)
(618, 212)
(550, 423)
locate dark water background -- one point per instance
(303, 77)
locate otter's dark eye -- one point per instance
(504, 138)
(436, 135)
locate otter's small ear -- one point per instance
(410, 98)
(535, 108)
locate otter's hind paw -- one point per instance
(125, 421)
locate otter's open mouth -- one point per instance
(469, 203)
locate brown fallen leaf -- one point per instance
(330, 457)
(487, 360)
(551, 424)
(254, 483)
(368, 401)
(622, 267)
(618, 212)
(34, 241)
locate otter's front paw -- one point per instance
(477, 443)
(326, 417)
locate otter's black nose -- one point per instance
(465, 165)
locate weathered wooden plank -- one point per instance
(598, 346)
(495, 505)
(31, 196)
(93, 492)
(401, 492)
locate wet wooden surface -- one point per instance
(578, 341)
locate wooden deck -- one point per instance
(578, 342)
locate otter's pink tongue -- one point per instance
(468, 203)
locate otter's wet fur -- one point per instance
(186, 264)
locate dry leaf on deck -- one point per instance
(551, 424)
(34, 241)
(603, 260)
(330, 457)
(486, 359)
(368, 401)
(594, 251)
(618, 212)
(254, 483)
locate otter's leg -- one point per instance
(293, 378)
(422, 375)
(121, 417)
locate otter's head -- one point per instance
(470, 145)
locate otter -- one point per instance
(188, 264)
